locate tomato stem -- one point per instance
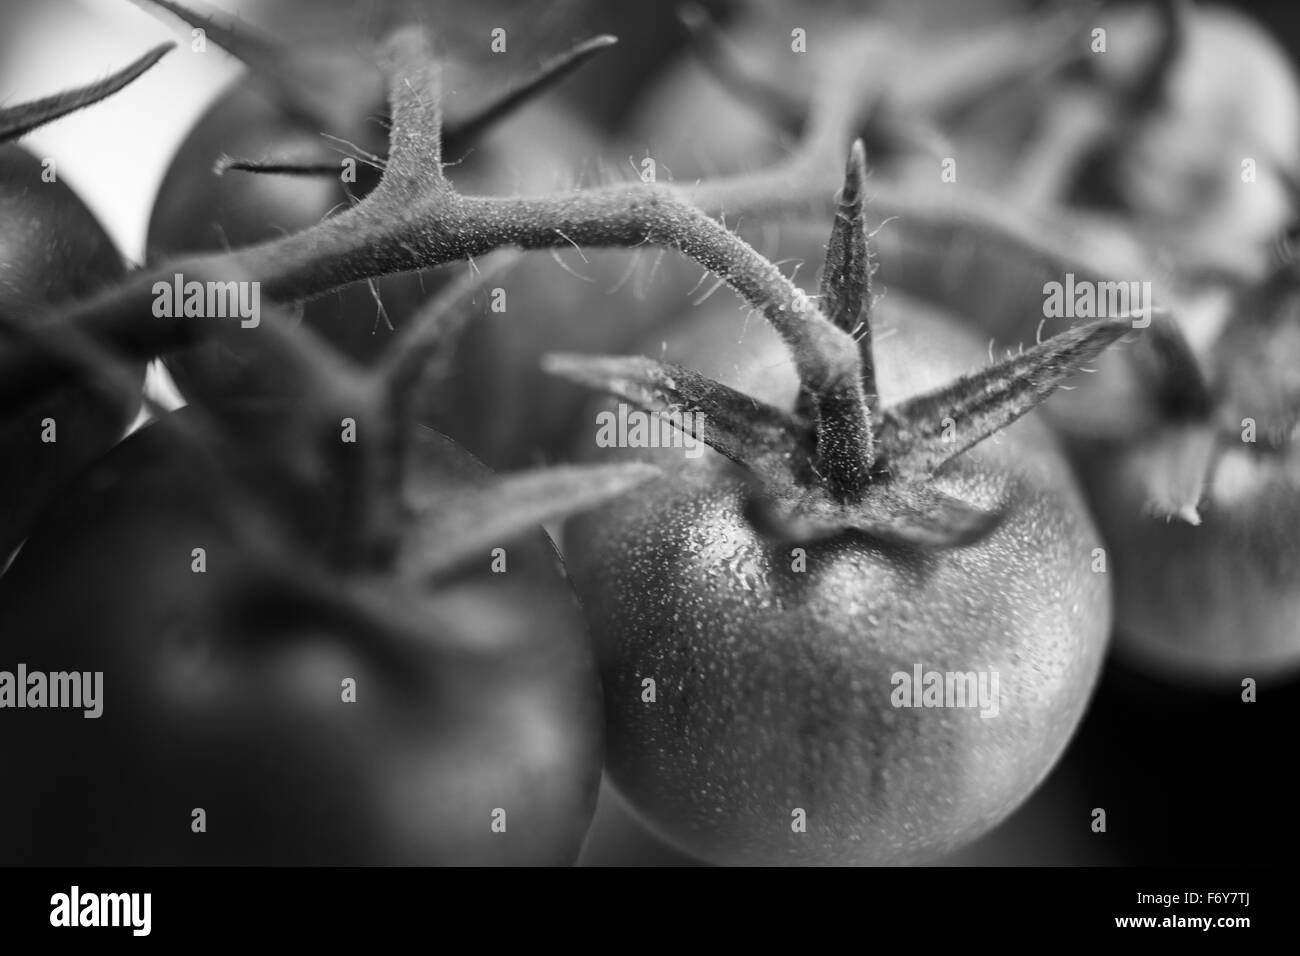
(268, 166)
(425, 344)
(1017, 50)
(1150, 89)
(468, 127)
(423, 351)
(785, 110)
(17, 121)
(414, 219)
(336, 90)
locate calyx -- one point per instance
(838, 461)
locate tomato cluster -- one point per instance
(843, 551)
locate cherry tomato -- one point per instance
(1208, 169)
(473, 735)
(1210, 596)
(52, 249)
(772, 665)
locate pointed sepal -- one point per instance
(922, 433)
(451, 528)
(767, 441)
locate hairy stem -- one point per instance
(16, 121)
(414, 220)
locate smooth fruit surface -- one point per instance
(774, 685)
(1210, 601)
(212, 701)
(52, 250)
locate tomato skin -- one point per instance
(695, 127)
(1232, 95)
(1218, 600)
(1211, 602)
(52, 249)
(774, 686)
(496, 399)
(201, 710)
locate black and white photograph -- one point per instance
(650, 434)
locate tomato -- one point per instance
(944, 91)
(1212, 598)
(476, 697)
(494, 398)
(52, 249)
(1207, 170)
(774, 683)
(1211, 601)
(982, 99)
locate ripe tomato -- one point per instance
(1207, 171)
(1216, 600)
(773, 668)
(931, 76)
(476, 697)
(494, 398)
(1211, 601)
(52, 249)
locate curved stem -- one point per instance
(1150, 88)
(17, 121)
(772, 99)
(414, 220)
